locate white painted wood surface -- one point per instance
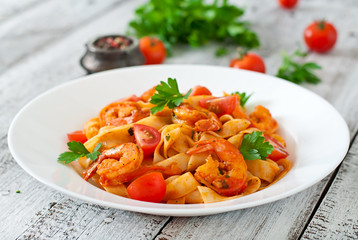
(40, 48)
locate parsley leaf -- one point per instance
(221, 52)
(243, 97)
(254, 146)
(296, 72)
(193, 22)
(78, 150)
(167, 95)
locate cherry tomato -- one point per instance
(199, 90)
(153, 50)
(278, 152)
(78, 136)
(288, 3)
(320, 36)
(150, 187)
(220, 105)
(249, 61)
(146, 137)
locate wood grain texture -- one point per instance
(51, 57)
(337, 216)
(10, 8)
(45, 24)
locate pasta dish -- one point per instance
(169, 147)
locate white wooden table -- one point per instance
(41, 42)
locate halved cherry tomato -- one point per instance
(320, 36)
(288, 3)
(150, 187)
(278, 152)
(78, 136)
(220, 105)
(249, 61)
(146, 137)
(199, 90)
(153, 50)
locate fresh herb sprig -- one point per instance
(78, 150)
(298, 72)
(254, 146)
(167, 95)
(192, 22)
(243, 97)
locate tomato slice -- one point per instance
(220, 105)
(150, 187)
(278, 152)
(78, 136)
(146, 137)
(199, 90)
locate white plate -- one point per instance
(317, 136)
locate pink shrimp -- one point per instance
(113, 162)
(202, 119)
(261, 118)
(226, 176)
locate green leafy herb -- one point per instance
(78, 150)
(167, 95)
(243, 97)
(296, 72)
(192, 22)
(221, 52)
(254, 146)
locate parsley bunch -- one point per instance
(78, 150)
(167, 95)
(193, 22)
(296, 72)
(254, 146)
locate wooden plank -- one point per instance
(58, 62)
(337, 216)
(10, 8)
(44, 24)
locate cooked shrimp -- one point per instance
(261, 118)
(113, 162)
(227, 175)
(202, 119)
(121, 113)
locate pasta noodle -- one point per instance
(197, 150)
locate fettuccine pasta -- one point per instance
(197, 147)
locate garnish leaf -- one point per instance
(78, 150)
(167, 95)
(296, 72)
(243, 97)
(193, 22)
(254, 146)
(95, 153)
(77, 147)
